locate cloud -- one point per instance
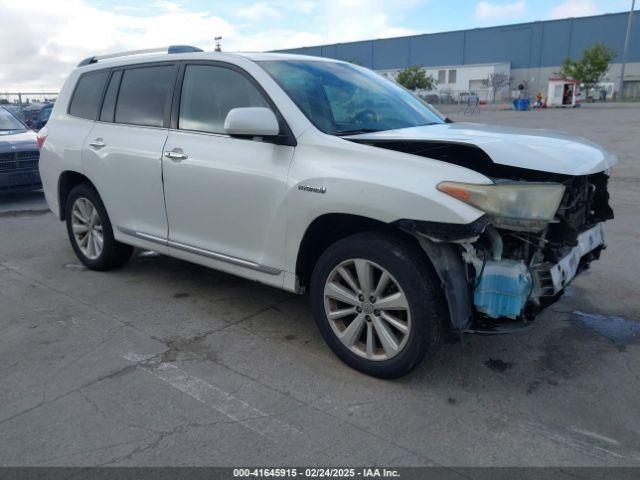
(487, 10)
(349, 20)
(127, 8)
(573, 8)
(41, 41)
(398, 32)
(303, 6)
(258, 11)
(167, 5)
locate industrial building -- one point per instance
(529, 53)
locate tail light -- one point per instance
(42, 136)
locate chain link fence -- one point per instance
(33, 108)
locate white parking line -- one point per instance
(596, 436)
(232, 407)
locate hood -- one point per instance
(533, 149)
(20, 139)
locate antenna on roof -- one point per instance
(218, 41)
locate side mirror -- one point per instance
(251, 121)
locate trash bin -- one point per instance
(521, 104)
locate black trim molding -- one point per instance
(446, 232)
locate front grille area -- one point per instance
(585, 202)
(19, 160)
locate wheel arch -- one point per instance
(322, 232)
(444, 257)
(67, 180)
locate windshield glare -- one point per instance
(340, 98)
(9, 122)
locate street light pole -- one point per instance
(626, 48)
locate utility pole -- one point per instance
(218, 41)
(624, 52)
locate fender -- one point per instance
(331, 175)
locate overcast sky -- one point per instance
(42, 40)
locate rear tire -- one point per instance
(377, 302)
(90, 231)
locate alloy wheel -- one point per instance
(87, 228)
(367, 309)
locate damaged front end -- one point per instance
(517, 258)
(543, 217)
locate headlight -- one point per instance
(513, 205)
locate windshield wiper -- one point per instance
(341, 133)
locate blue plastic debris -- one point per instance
(502, 288)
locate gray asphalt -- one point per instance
(167, 363)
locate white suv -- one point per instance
(316, 175)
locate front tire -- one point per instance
(377, 302)
(90, 231)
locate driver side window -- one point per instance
(209, 93)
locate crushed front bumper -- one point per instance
(504, 288)
(563, 272)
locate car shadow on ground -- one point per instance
(15, 202)
(555, 350)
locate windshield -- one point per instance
(342, 99)
(9, 122)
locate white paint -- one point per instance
(250, 187)
(578, 443)
(230, 406)
(137, 357)
(536, 149)
(596, 436)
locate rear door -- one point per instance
(123, 152)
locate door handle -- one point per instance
(175, 155)
(98, 143)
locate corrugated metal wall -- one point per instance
(528, 45)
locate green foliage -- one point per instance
(591, 68)
(415, 78)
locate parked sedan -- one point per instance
(19, 155)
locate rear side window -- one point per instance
(209, 92)
(87, 95)
(143, 98)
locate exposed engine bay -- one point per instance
(514, 270)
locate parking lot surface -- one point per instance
(167, 363)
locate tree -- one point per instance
(591, 68)
(415, 78)
(495, 82)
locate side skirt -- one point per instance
(201, 251)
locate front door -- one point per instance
(224, 195)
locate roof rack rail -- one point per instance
(169, 49)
